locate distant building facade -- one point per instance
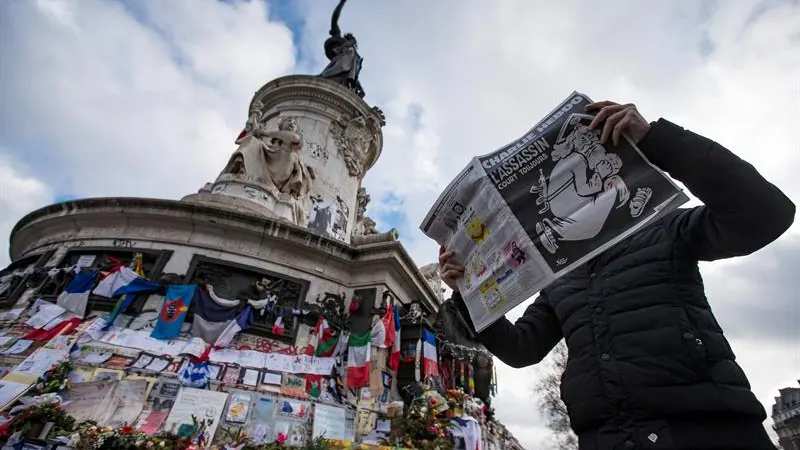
(786, 418)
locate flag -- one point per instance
(394, 355)
(242, 322)
(378, 334)
(116, 280)
(323, 340)
(212, 314)
(277, 327)
(76, 295)
(313, 339)
(173, 313)
(358, 360)
(471, 380)
(383, 331)
(195, 374)
(327, 342)
(430, 361)
(313, 385)
(63, 327)
(322, 343)
(388, 324)
(124, 282)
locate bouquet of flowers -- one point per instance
(54, 380)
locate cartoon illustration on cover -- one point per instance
(582, 189)
(492, 298)
(477, 230)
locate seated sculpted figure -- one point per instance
(271, 159)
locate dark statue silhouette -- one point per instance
(342, 51)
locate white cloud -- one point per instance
(20, 193)
(139, 101)
(145, 98)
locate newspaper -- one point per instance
(539, 207)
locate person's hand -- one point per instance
(449, 270)
(618, 119)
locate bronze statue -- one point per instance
(342, 51)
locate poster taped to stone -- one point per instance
(539, 207)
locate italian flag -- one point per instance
(358, 360)
(323, 341)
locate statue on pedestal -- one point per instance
(364, 225)
(271, 160)
(342, 51)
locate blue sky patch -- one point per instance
(392, 213)
(286, 11)
(64, 198)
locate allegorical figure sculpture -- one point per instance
(272, 160)
(364, 225)
(342, 51)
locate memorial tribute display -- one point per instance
(264, 311)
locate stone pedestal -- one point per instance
(342, 139)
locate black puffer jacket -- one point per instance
(649, 367)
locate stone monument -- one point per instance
(304, 150)
(283, 225)
(287, 210)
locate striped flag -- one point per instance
(76, 295)
(277, 327)
(358, 360)
(430, 361)
(212, 314)
(383, 332)
(125, 283)
(394, 356)
(323, 340)
(242, 322)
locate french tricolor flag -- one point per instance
(76, 295)
(278, 328)
(430, 360)
(241, 323)
(394, 356)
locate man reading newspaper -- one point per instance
(649, 367)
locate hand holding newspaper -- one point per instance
(523, 216)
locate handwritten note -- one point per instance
(11, 314)
(18, 347)
(45, 313)
(329, 421)
(205, 405)
(9, 390)
(95, 328)
(195, 347)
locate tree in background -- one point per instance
(547, 388)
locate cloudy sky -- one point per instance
(144, 98)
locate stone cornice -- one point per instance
(33, 229)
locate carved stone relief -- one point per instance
(353, 137)
(364, 225)
(434, 279)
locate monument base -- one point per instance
(240, 192)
